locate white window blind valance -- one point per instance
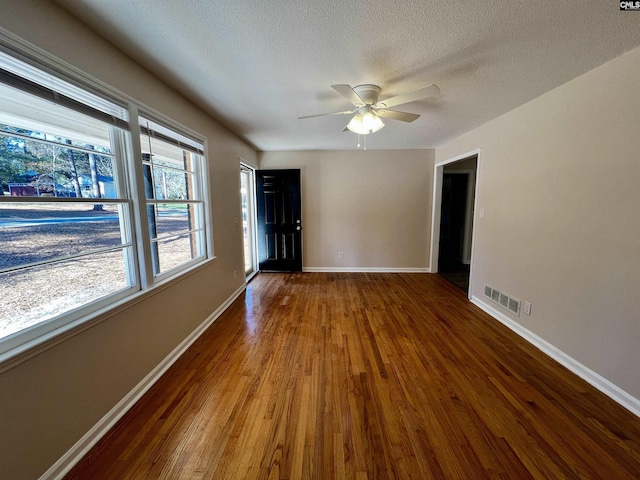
(27, 78)
(156, 130)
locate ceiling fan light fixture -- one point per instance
(365, 122)
(369, 110)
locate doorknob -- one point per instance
(298, 227)
(297, 221)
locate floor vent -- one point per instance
(505, 300)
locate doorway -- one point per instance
(248, 198)
(453, 219)
(279, 220)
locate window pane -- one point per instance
(175, 218)
(172, 184)
(177, 250)
(34, 168)
(31, 296)
(34, 232)
(246, 220)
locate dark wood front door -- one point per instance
(279, 220)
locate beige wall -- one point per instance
(374, 206)
(559, 181)
(50, 401)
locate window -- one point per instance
(172, 168)
(68, 196)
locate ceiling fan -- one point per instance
(369, 110)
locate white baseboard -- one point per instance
(365, 270)
(598, 381)
(59, 469)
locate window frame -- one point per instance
(201, 190)
(127, 150)
(251, 218)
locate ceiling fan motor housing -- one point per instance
(368, 93)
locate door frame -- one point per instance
(438, 173)
(251, 207)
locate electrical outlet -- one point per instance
(235, 274)
(235, 221)
(341, 255)
(526, 308)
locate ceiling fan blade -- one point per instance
(425, 92)
(349, 93)
(346, 112)
(395, 115)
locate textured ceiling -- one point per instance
(257, 65)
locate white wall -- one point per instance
(51, 400)
(374, 206)
(559, 181)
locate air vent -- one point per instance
(514, 305)
(495, 296)
(503, 299)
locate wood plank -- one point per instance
(362, 376)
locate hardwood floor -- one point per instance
(365, 376)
